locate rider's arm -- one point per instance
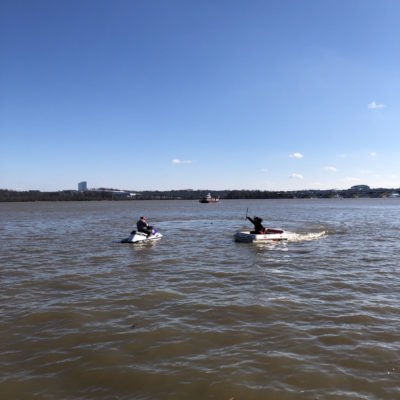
(251, 220)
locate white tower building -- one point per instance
(82, 186)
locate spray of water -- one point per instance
(305, 237)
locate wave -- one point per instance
(305, 237)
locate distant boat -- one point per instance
(209, 199)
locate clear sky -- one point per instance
(200, 94)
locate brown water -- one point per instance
(196, 315)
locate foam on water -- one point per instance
(305, 237)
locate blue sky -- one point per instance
(206, 94)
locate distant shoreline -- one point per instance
(125, 195)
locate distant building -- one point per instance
(82, 186)
(122, 193)
(360, 187)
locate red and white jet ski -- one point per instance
(270, 235)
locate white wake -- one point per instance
(304, 237)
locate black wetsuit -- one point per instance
(258, 226)
(144, 227)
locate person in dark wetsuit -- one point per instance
(143, 226)
(258, 226)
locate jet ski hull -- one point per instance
(272, 235)
(140, 237)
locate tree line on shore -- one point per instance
(91, 195)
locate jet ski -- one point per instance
(141, 237)
(270, 235)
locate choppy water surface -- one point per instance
(196, 315)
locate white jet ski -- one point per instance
(270, 235)
(141, 237)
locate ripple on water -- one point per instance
(197, 315)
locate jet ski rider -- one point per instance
(143, 226)
(258, 226)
